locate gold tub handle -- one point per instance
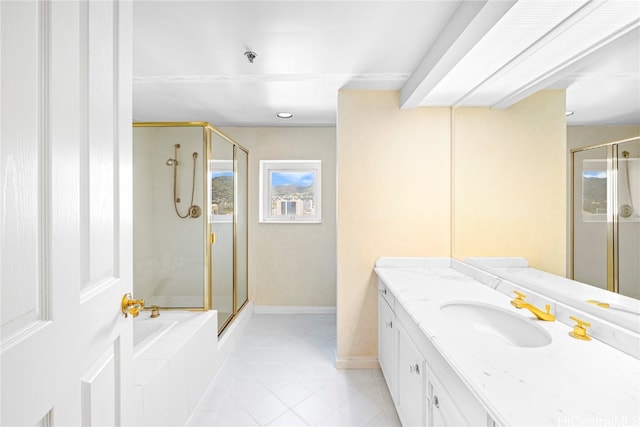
(130, 306)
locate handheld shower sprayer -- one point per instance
(174, 161)
(627, 210)
(193, 211)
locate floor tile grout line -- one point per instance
(318, 340)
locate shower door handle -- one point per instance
(212, 238)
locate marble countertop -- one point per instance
(566, 383)
(623, 311)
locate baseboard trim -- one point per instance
(293, 309)
(358, 363)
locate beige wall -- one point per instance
(585, 136)
(395, 193)
(395, 197)
(393, 200)
(510, 181)
(291, 264)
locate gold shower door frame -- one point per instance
(237, 305)
(208, 236)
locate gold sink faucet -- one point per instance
(599, 303)
(519, 302)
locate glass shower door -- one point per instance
(169, 215)
(241, 227)
(606, 216)
(221, 218)
(628, 243)
(590, 217)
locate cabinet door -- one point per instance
(387, 344)
(443, 411)
(411, 390)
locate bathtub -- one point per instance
(175, 358)
(146, 331)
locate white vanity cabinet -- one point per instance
(387, 341)
(411, 390)
(452, 369)
(441, 410)
(420, 381)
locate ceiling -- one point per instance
(190, 64)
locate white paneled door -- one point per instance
(65, 212)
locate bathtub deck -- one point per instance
(172, 372)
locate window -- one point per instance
(290, 191)
(594, 190)
(221, 175)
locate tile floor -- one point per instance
(283, 374)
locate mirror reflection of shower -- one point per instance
(626, 210)
(193, 211)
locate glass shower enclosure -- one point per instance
(190, 218)
(605, 223)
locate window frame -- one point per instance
(268, 168)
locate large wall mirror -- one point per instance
(605, 220)
(604, 238)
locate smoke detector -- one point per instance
(250, 55)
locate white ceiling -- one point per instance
(189, 62)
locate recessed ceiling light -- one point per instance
(285, 115)
(568, 113)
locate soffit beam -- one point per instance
(470, 22)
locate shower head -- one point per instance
(172, 162)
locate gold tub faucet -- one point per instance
(519, 302)
(131, 306)
(155, 311)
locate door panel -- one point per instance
(97, 156)
(98, 391)
(66, 348)
(22, 159)
(222, 225)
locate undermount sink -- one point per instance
(496, 321)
